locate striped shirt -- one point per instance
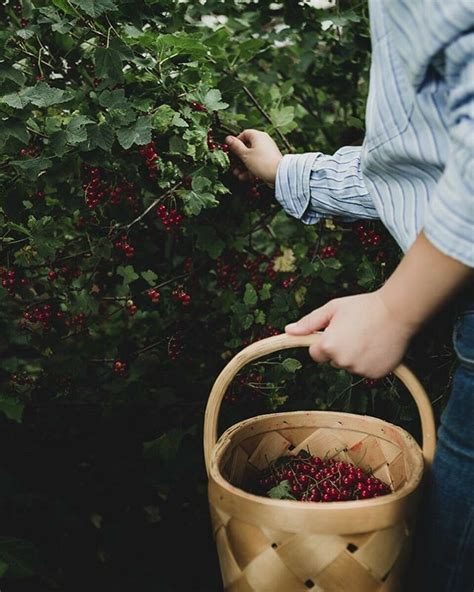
(415, 169)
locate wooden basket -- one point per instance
(271, 545)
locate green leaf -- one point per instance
(108, 64)
(166, 447)
(150, 277)
(15, 100)
(15, 129)
(162, 118)
(250, 295)
(212, 100)
(208, 241)
(3, 568)
(9, 73)
(128, 274)
(291, 365)
(195, 202)
(113, 99)
(282, 117)
(266, 292)
(95, 8)
(281, 491)
(101, 136)
(12, 408)
(139, 133)
(76, 131)
(21, 557)
(178, 121)
(366, 274)
(40, 95)
(32, 166)
(43, 95)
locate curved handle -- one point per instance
(284, 341)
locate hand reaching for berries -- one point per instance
(259, 154)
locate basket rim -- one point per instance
(225, 440)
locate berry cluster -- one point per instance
(169, 218)
(131, 307)
(253, 192)
(180, 295)
(328, 252)
(120, 367)
(148, 152)
(288, 282)
(30, 150)
(312, 479)
(77, 320)
(22, 378)
(154, 295)
(213, 145)
(39, 314)
(122, 193)
(93, 186)
(368, 237)
(259, 268)
(10, 279)
(124, 246)
(175, 347)
(371, 381)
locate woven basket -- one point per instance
(271, 545)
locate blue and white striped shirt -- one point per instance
(415, 169)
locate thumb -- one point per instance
(236, 146)
(312, 322)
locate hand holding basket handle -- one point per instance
(284, 341)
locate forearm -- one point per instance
(423, 282)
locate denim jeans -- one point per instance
(446, 531)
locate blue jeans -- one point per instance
(446, 532)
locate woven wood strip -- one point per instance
(346, 574)
(246, 541)
(380, 552)
(328, 441)
(310, 555)
(269, 449)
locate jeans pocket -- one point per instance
(463, 338)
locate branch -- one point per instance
(150, 207)
(266, 115)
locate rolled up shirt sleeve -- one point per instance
(312, 186)
(449, 223)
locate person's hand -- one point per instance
(361, 335)
(259, 154)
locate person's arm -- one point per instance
(308, 186)
(368, 334)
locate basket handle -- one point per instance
(279, 342)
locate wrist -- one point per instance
(399, 310)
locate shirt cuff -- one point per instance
(292, 185)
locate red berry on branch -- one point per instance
(119, 367)
(52, 275)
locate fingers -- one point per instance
(243, 175)
(237, 147)
(312, 322)
(249, 137)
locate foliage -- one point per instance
(134, 265)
